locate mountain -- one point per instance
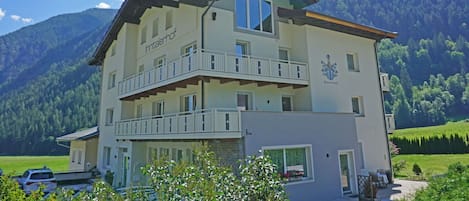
(46, 87)
(428, 61)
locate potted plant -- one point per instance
(109, 177)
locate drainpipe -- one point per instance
(382, 102)
(202, 46)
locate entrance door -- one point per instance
(347, 171)
(124, 167)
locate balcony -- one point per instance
(384, 79)
(390, 123)
(201, 124)
(212, 64)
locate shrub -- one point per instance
(453, 186)
(416, 169)
(398, 166)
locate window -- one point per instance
(283, 54)
(152, 154)
(112, 80)
(169, 19)
(74, 153)
(244, 101)
(157, 108)
(254, 15)
(164, 153)
(189, 49)
(241, 48)
(139, 111)
(141, 68)
(188, 103)
(286, 103)
(159, 62)
(352, 62)
(143, 35)
(113, 50)
(155, 28)
(109, 116)
(107, 156)
(357, 105)
(294, 163)
(79, 156)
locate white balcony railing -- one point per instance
(384, 79)
(218, 64)
(390, 123)
(201, 124)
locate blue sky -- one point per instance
(15, 14)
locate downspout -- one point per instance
(202, 46)
(382, 102)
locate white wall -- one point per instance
(335, 95)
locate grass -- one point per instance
(16, 165)
(460, 128)
(434, 164)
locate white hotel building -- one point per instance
(242, 76)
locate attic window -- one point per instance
(254, 15)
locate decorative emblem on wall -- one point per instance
(329, 69)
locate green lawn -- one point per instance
(433, 164)
(460, 128)
(18, 164)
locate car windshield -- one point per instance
(25, 174)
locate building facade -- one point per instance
(242, 76)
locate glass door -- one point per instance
(347, 171)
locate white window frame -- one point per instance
(291, 102)
(288, 54)
(113, 50)
(143, 35)
(356, 67)
(309, 160)
(194, 102)
(155, 28)
(248, 17)
(157, 105)
(169, 19)
(250, 100)
(112, 80)
(109, 118)
(361, 105)
(156, 61)
(106, 156)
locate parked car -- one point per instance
(33, 178)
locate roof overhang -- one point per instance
(80, 135)
(306, 17)
(130, 12)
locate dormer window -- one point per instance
(254, 15)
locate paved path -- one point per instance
(399, 190)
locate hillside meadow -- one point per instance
(16, 165)
(460, 128)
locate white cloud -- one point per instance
(2, 13)
(27, 20)
(103, 5)
(15, 17)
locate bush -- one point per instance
(416, 169)
(204, 179)
(398, 166)
(453, 186)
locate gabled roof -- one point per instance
(301, 17)
(132, 10)
(79, 135)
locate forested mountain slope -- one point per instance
(46, 87)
